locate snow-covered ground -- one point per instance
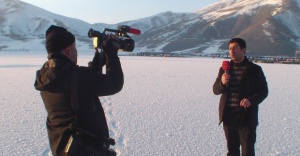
(166, 108)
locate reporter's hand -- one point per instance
(225, 79)
(245, 103)
(111, 45)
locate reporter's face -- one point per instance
(236, 53)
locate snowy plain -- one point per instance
(166, 108)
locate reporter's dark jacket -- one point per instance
(253, 86)
(54, 82)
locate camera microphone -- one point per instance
(125, 28)
(134, 31)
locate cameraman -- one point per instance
(60, 73)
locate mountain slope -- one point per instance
(270, 27)
(23, 24)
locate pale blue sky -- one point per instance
(115, 11)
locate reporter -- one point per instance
(242, 90)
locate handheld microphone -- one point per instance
(226, 66)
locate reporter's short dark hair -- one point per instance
(241, 42)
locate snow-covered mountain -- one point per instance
(23, 26)
(270, 27)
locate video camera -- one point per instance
(126, 42)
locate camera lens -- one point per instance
(127, 44)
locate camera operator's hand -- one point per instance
(111, 46)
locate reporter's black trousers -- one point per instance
(240, 136)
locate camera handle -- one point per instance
(99, 60)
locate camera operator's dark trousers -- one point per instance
(240, 136)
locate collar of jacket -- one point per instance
(58, 56)
(244, 62)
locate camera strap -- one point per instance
(75, 105)
(74, 91)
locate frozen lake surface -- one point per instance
(166, 107)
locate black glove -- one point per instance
(98, 62)
(111, 48)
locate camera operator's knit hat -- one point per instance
(58, 38)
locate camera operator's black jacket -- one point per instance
(253, 86)
(54, 82)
